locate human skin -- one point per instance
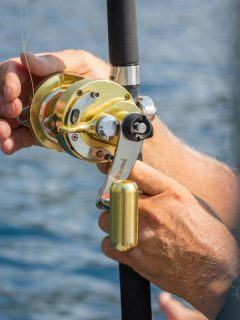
(207, 178)
(175, 310)
(15, 87)
(182, 248)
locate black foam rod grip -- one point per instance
(122, 32)
(135, 295)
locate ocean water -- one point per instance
(51, 265)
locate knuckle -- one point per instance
(70, 51)
(77, 52)
(12, 86)
(148, 208)
(145, 205)
(134, 254)
(178, 193)
(11, 110)
(134, 258)
(8, 90)
(84, 53)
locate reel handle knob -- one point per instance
(124, 215)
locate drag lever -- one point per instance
(121, 195)
(133, 130)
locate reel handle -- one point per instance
(124, 215)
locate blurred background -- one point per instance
(51, 265)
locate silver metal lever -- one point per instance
(125, 157)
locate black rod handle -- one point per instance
(135, 295)
(122, 32)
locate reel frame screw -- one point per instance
(95, 94)
(74, 137)
(100, 154)
(79, 93)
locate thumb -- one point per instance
(171, 307)
(42, 65)
(174, 310)
(76, 61)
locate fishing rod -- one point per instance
(124, 60)
(104, 121)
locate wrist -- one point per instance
(231, 307)
(212, 287)
(215, 297)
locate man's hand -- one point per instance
(182, 248)
(15, 87)
(203, 176)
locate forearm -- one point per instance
(207, 178)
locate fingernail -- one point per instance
(165, 297)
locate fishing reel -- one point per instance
(96, 121)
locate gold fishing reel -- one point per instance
(96, 121)
(79, 116)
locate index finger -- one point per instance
(149, 180)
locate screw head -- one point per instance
(74, 137)
(100, 154)
(95, 94)
(79, 92)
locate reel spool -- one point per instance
(97, 121)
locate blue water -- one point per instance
(51, 265)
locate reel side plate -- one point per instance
(42, 108)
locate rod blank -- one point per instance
(122, 32)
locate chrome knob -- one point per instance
(147, 105)
(107, 127)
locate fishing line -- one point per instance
(25, 36)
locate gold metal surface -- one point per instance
(112, 99)
(43, 107)
(124, 215)
(54, 103)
